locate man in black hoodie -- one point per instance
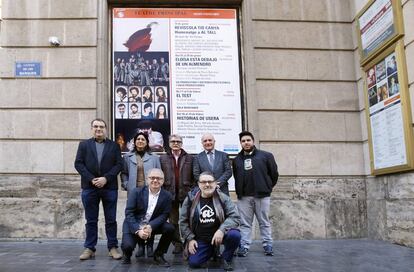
(255, 174)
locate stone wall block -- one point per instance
(361, 94)
(14, 157)
(33, 33)
(79, 93)
(297, 218)
(296, 34)
(346, 218)
(400, 221)
(408, 17)
(318, 164)
(364, 126)
(284, 189)
(367, 159)
(310, 126)
(411, 95)
(377, 219)
(353, 126)
(15, 93)
(354, 188)
(35, 217)
(25, 119)
(298, 162)
(70, 219)
(69, 155)
(400, 215)
(325, 188)
(49, 9)
(79, 62)
(401, 186)
(318, 189)
(57, 186)
(401, 237)
(46, 157)
(6, 125)
(304, 64)
(409, 53)
(54, 124)
(286, 164)
(376, 187)
(308, 10)
(48, 93)
(347, 159)
(12, 186)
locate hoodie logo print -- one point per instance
(207, 215)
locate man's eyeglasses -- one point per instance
(155, 178)
(204, 182)
(96, 126)
(175, 142)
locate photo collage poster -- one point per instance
(385, 113)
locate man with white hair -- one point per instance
(214, 161)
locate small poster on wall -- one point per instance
(388, 112)
(378, 25)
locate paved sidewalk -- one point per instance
(290, 256)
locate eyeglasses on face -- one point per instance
(204, 182)
(175, 142)
(155, 178)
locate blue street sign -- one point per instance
(28, 69)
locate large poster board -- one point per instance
(176, 71)
(379, 24)
(389, 112)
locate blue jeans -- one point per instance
(205, 250)
(90, 200)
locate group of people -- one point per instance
(140, 71)
(183, 197)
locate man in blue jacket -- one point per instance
(146, 214)
(255, 175)
(98, 161)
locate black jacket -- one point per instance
(264, 169)
(186, 180)
(136, 209)
(86, 163)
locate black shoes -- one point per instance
(150, 251)
(126, 259)
(159, 260)
(228, 266)
(141, 251)
(178, 248)
(268, 250)
(242, 252)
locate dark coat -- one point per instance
(136, 208)
(264, 172)
(86, 163)
(221, 168)
(185, 167)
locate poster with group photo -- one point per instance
(390, 135)
(176, 71)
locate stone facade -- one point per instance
(304, 102)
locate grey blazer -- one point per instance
(129, 169)
(221, 168)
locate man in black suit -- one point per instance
(214, 161)
(99, 161)
(146, 214)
